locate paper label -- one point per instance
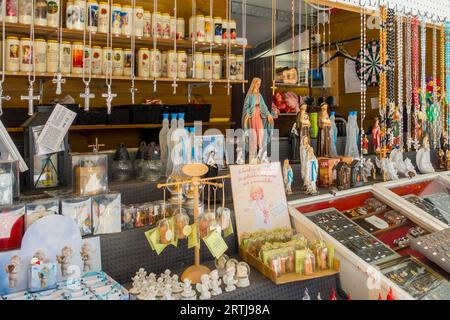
(215, 243)
(39, 149)
(228, 231)
(56, 128)
(193, 237)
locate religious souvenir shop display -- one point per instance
(435, 247)
(364, 227)
(428, 195)
(41, 267)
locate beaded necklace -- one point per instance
(423, 80)
(408, 83)
(434, 125)
(415, 79)
(442, 76)
(447, 75)
(383, 79)
(363, 76)
(400, 80)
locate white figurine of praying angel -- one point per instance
(188, 293)
(215, 283)
(204, 286)
(229, 279)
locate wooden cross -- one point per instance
(2, 97)
(87, 95)
(58, 81)
(96, 147)
(273, 87)
(109, 98)
(30, 97)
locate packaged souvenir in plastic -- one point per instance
(90, 174)
(9, 182)
(128, 217)
(166, 234)
(181, 221)
(11, 226)
(106, 212)
(40, 208)
(80, 210)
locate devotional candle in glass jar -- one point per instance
(52, 56)
(127, 62)
(103, 17)
(78, 17)
(116, 19)
(53, 12)
(216, 66)
(126, 17)
(87, 59)
(12, 58)
(40, 13)
(180, 29)
(26, 55)
(172, 61)
(232, 30)
(66, 57)
(12, 11)
(209, 21)
(107, 60)
(164, 64)
(77, 57)
(144, 62)
(165, 25)
(155, 63)
(92, 18)
(207, 62)
(139, 21)
(157, 25)
(200, 28)
(182, 65)
(199, 65)
(118, 62)
(70, 7)
(147, 24)
(218, 30)
(40, 55)
(96, 60)
(24, 11)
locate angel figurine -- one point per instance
(188, 293)
(242, 274)
(177, 287)
(215, 283)
(324, 138)
(203, 287)
(229, 279)
(257, 121)
(288, 176)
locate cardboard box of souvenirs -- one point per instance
(326, 177)
(267, 241)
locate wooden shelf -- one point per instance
(122, 78)
(22, 30)
(129, 126)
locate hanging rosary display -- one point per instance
(274, 43)
(408, 75)
(443, 103)
(415, 81)
(423, 81)
(32, 74)
(363, 80)
(3, 48)
(109, 95)
(434, 108)
(397, 120)
(447, 81)
(390, 77)
(133, 90)
(383, 79)
(87, 63)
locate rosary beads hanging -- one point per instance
(383, 79)
(31, 75)
(108, 74)
(400, 105)
(2, 79)
(408, 75)
(447, 78)
(274, 43)
(390, 76)
(133, 90)
(87, 95)
(363, 77)
(415, 80)
(423, 82)
(435, 109)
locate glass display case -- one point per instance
(369, 231)
(427, 197)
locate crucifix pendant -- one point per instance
(58, 81)
(273, 87)
(2, 97)
(133, 90)
(174, 86)
(87, 95)
(210, 88)
(109, 98)
(30, 97)
(154, 86)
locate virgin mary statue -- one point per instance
(257, 122)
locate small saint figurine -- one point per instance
(396, 123)
(229, 279)
(242, 274)
(288, 176)
(167, 292)
(303, 124)
(312, 173)
(177, 287)
(324, 138)
(294, 143)
(221, 264)
(376, 136)
(257, 122)
(365, 145)
(304, 147)
(423, 157)
(188, 293)
(215, 283)
(203, 287)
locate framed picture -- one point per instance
(209, 148)
(259, 197)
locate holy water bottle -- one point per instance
(351, 146)
(163, 141)
(169, 148)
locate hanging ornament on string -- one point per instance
(447, 84)
(3, 52)
(57, 78)
(433, 108)
(87, 52)
(153, 55)
(408, 74)
(109, 95)
(133, 89)
(274, 43)
(423, 80)
(363, 86)
(31, 75)
(390, 77)
(382, 101)
(397, 120)
(209, 64)
(415, 81)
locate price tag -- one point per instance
(193, 238)
(215, 243)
